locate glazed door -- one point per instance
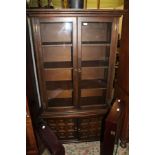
(96, 58)
(56, 56)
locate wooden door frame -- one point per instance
(35, 22)
(112, 57)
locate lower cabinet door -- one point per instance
(89, 128)
(78, 129)
(64, 128)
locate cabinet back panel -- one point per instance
(92, 92)
(93, 73)
(95, 53)
(56, 32)
(60, 102)
(52, 85)
(56, 54)
(99, 32)
(59, 93)
(58, 74)
(95, 100)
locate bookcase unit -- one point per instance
(75, 52)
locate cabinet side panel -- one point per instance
(33, 60)
(114, 36)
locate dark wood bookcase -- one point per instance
(75, 52)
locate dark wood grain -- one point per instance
(90, 128)
(111, 127)
(106, 13)
(75, 67)
(63, 128)
(31, 90)
(123, 77)
(39, 59)
(112, 58)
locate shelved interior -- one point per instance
(57, 49)
(95, 46)
(57, 54)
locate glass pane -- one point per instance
(57, 53)
(97, 32)
(56, 32)
(95, 52)
(92, 96)
(95, 55)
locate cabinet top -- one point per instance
(75, 12)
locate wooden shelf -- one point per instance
(95, 67)
(95, 63)
(57, 44)
(94, 43)
(67, 64)
(53, 85)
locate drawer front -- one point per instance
(64, 128)
(90, 128)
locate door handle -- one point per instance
(79, 70)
